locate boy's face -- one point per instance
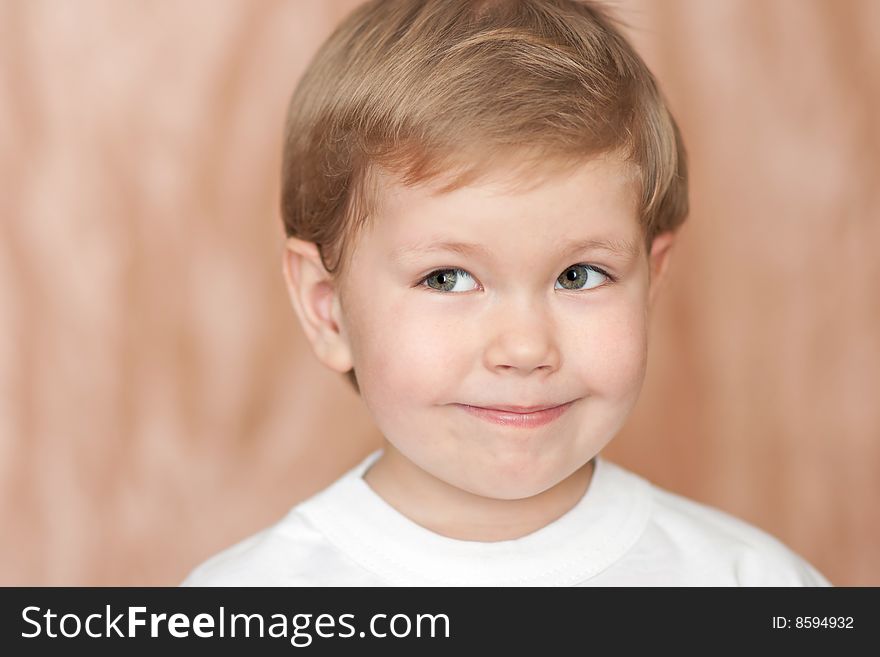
(521, 321)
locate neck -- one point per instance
(456, 513)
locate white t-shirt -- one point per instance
(624, 531)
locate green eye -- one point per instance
(575, 277)
(445, 280)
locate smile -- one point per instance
(514, 419)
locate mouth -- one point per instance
(518, 416)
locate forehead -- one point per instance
(595, 200)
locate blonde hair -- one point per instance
(426, 89)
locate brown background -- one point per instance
(158, 400)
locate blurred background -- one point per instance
(158, 400)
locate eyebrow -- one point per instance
(619, 247)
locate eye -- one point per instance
(575, 277)
(447, 280)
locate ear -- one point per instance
(661, 250)
(315, 299)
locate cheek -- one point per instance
(611, 354)
(404, 354)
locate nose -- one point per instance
(523, 339)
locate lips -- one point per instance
(519, 409)
(518, 416)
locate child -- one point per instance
(480, 200)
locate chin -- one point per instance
(513, 492)
(504, 486)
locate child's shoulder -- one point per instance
(714, 546)
(294, 551)
(262, 559)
